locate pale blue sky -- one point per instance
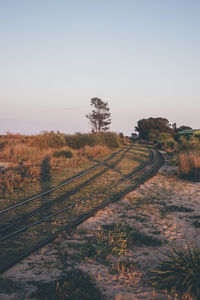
(142, 56)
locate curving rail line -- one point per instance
(60, 185)
(72, 192)
(76, 203)
(79, 202)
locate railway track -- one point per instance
(42, 225)
(73, 191)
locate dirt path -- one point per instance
(163, 209)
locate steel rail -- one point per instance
(52, 202)
(60, 185)
(81, 201)
(81, 218)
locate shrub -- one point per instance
(48, 140)
(180, 273)
(189, 165)
(114, 239)
(95, 150)
(166, 141)
(80, 140)
(110, 139)
(188, 144)
(65, 152)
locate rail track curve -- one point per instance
(135, 178)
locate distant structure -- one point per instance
(189, 133)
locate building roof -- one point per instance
(190, 131)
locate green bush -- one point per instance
(66, 152)
(110, 139)
(48, 140)
(80, 140)
(165, 141)
(180, 273)
(188, 144)
(114, 239)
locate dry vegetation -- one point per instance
(189, 165)
(31, 158)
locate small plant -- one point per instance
(180, 274)
(122, 267)
(106, 242)
(114, 239)
(65, 152)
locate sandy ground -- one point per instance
(152, 209)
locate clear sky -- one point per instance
(141, 56)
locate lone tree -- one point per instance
(100, 116)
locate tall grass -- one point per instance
(189, 165)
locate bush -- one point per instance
(110, 139)
(95, 150)
(189, 165)
(65, 152)
(191, 144)
(80, 140)
(48, 140)
(180, 273)
(166, 141)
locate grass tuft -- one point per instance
(180, 274)
(114, 239)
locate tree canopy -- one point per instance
(100, 116)
(148, 127)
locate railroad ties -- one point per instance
(30, 224)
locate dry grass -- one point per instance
(28, 160)
(189, 165)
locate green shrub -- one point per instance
(48, 140)
(166, 141)
(189, 144)
(65, 152)
(114, 239)
(110, 139)
(180, 274)
(80, 140)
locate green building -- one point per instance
(189, 133)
